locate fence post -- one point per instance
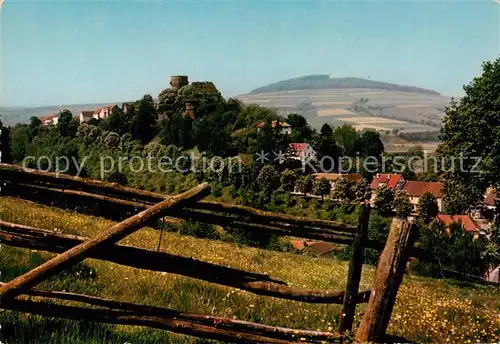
(388, 278)
(346, 317)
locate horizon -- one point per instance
(56, 54)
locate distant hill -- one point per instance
(323, 81)
(13, 115)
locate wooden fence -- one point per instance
(144, 207)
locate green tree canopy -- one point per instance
(144, 120)
(66, 124)
(428, 207)
(471, 128)
(321, 187)
(384, 199)
(402, 205)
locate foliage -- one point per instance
(402, 206)
(343, 190)
(321, 187)
(384, 199)
(268, 178)
(5, 145)
(304, 184)
(428, 207)
(451, 247)
(471, 129)
(144, 120)
(288, 178)
(66, 124)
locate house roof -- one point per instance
(47, 118)
(353, 177)
(467, 222)
(87, 113)
(274, 124)
(418, 189)
(389, 179)
(109, 107)
(299, 148)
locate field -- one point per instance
(427, 310)
(410, 112)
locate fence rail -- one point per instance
(190, 206)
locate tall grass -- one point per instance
(422, 305)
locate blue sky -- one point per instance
(64, 52)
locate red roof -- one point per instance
(46, 118)
(390, 180)
(274, 124)
(465, 220)
(353, 177)
(418, 189)
(300, 147)
(109, 107)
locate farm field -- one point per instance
(427, 310)
(409, 112)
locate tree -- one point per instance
(361, 191)
(144, 121)
(321, 187)
(301, 132)
(177, 130)
(402, 205)
(5, 144)
(304, 184)
(327, 147)
(346, 136)
(35, 122)
(66, 124)
(470, 131)
(118, 121)
(428, 207)
(288, 178)
(369, 144)
(268, 178)
(384, 199)
(343, 190)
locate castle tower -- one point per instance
(177, 81)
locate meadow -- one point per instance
(426, 310)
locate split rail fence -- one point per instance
(144, 208)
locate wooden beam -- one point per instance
(120, 312)
(388, 278)
(108, 237)
(33, 238)
(346, 317)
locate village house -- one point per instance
(302, 151)
(285, 128)
(104, 112)
(416, 190)
(86, 116)
(333, 177)
(49, 120)
(390, 180)
(466, 221)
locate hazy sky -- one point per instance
(63, 52)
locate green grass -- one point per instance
(423, 305)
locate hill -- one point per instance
(323, 81)
(426, 310)
(365, 104)
(13, 115)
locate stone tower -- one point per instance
(177, 81)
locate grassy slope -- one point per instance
(426, 310)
